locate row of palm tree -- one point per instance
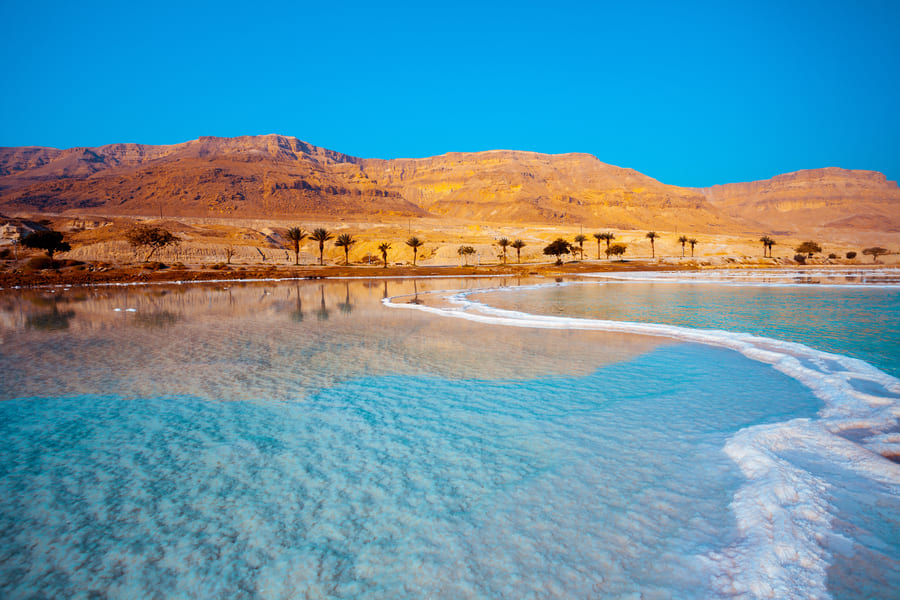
(321, 235)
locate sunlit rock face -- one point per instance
(274, 176)
(830, 197)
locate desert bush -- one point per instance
(39, 263)
(851, 255)
(800, 258)
(832, 255)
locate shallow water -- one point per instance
(301, 439)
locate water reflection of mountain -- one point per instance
(236, 335)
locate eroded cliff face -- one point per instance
(275, 176)
(817, 198)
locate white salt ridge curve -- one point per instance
(782, 511)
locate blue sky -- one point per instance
(691, 93)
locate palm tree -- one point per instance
(345, 240)
(579, 239)
(503, 243)
(321, 235)
(296, 235)
(693, 243)
(384, 247)
(518, 245)
(683, 240)
(652, 235)
(415, 243)
(770, 244)
(765, 242)
(608, 236)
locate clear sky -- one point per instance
(691, 93)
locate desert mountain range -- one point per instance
(273, 176)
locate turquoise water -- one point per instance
(292, 440)
(859, 321)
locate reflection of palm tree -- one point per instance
(321, 235)
(297, 314)
(385, 290)
(415, 299)
(322, 314)
(346, 306)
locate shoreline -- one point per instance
(89, 274)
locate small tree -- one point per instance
(683, 240)
(503, 243)
(518, 245)
(415, 243)
(48, 241)
(693, 243)
(875, 252)
(557, 248)
(345, 241)
(296, 235)
(652, 235)
(384, 247)
(617, 250)
(229, 252)
(321, 235)
(808, 248)
(767, 242)
(155, 238)
(465, 252)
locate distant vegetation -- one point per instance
(557, 248)
(652, 235)
(851, 255)
(49, 241)
(415, 243)
(465, 252)
(154, 238)
(617, 250)
(345, 241)
(767, 243)
(518, 245)
(808, 248)
(875, 252)
(608, 236)
(321, 235)
(296, 235)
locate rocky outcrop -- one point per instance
(818, 198)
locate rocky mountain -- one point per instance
(818, 198)
(274, 176)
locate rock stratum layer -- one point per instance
(275, 176)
